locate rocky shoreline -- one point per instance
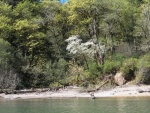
(124, 91)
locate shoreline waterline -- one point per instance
(118, 92)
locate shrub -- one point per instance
(95, 69)
(143, 72)
(111, 66)
(8, 75)
(118, 57)
(128, 68)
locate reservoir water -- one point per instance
(77, 105)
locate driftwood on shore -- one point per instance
(11, 91)
(32, 90)
(94, 90)
(142, 91)
(8, 91)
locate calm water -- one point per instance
(74, 105)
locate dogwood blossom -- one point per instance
(88, 48)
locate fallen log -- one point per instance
(18, 92)
(94, 90)
(102, 85)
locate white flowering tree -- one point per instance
(74, 44)
(87, 49)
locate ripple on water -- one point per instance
(77, 105)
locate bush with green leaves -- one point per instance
(118, 57)
(8, 75)
(95, 69)
(128, 68)
(143, 72)
(111, 66)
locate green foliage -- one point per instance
(8, 75)
(128, 68)
(113, 63)
(55, 71)
(143, 72)
(59, 69)
(118, 57)
(5, 20)
(5, 9)
(144, 61)
(25, 10)
(111, 66)
(5, 54)
(45, 74)
(35, 32)
(95, 69)
(81, 15)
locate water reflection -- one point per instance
(77, 105)
(121, 105)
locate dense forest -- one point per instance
(82, 42)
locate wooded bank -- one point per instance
(47, 44)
